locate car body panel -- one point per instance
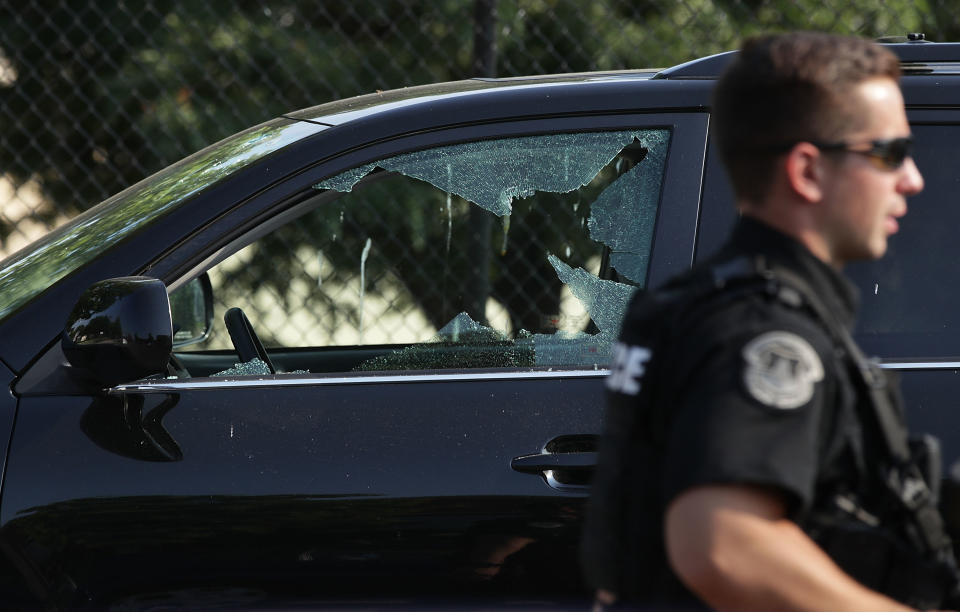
(334, 485)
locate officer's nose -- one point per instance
(911, 181)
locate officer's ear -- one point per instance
(804, 171)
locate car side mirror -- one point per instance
(191, 308)
(120, 330)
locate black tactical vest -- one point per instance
(891, 540)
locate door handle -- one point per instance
(541, 462)
(569, 472)
(566, 462)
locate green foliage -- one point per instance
(108, 92)
(105, 95)
(562, 36)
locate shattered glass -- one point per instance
(624, 215)
(493, 173)
(605, 300)
(345, 181)
(617, 175)
(254, 367)
(580, 349)
(461, 343)
(463, 327)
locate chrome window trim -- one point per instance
(175, 385)
(921, 365)
(289, 380)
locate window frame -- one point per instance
(673, 242)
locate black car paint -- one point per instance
(421, 500)
(8, 411)
(277, 488)
(336, 487)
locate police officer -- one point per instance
(753, 459)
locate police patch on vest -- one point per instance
(781, 369)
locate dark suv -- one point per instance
(391, 315)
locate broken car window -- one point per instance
(518, 252)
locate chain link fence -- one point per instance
(98, 94)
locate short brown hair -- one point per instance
(787, 88)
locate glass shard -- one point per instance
(624, 215)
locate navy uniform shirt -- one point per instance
(756, 391)
(745, 391)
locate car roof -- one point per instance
(349, 109)
(916, 57)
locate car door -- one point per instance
(428, 421)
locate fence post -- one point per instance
(477, 288)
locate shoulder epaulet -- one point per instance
(755, 273)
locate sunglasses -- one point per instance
(886, 154)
